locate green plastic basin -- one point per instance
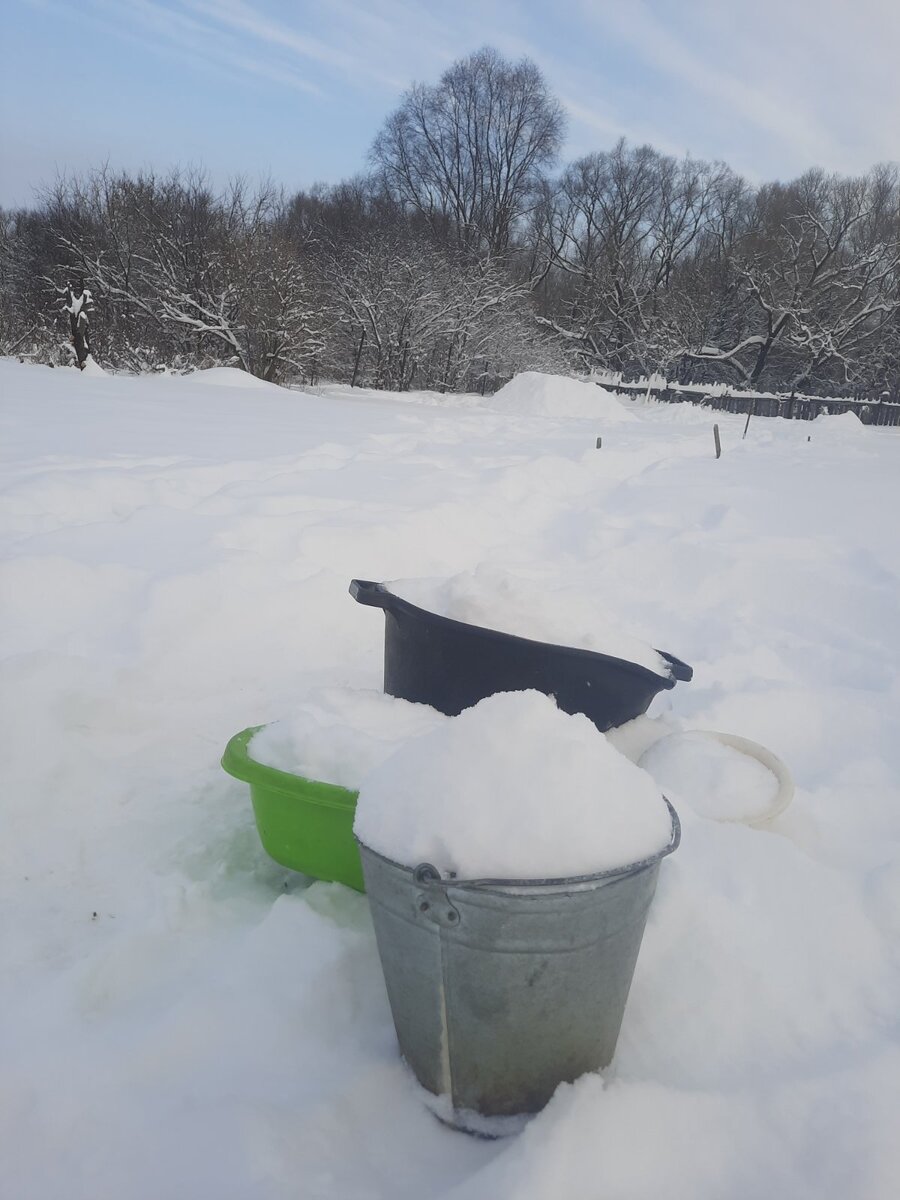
(303, 824)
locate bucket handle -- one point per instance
(365, 591)
(427, 876)
(678, 670)
(675, 840)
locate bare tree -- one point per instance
(17, 324)
(468, 152)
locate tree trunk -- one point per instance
(359, 350)
(78, 327)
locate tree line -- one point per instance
(464, 253)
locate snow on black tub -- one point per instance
(451, 665)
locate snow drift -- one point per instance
(534, 394)
(232, 377)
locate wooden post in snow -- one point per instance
(750, 412)
(359, 350)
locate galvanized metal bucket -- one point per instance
(502, 989)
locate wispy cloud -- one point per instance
(669, 49)
(802, 74)
(172, 28)
(595, 118)
(771, 87)
(340, 43)
(238, 16)
(764, 79)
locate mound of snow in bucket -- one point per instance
(337, 735)
(535, 394)
(512, 788)
(715, 780)
(229, 377)
(494, 599)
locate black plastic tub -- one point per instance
(451, 665)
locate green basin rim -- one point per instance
(237, 762)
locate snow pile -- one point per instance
(233, 377)
(838, 425)
(338, 735)
(534, 394)
(716, 780)
(496, 599)
(512, 788)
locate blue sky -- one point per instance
(297, 90)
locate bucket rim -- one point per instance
(237, 762)
(425, 874)
(366, 591)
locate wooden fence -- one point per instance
(796, 408)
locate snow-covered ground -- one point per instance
(183, 1018)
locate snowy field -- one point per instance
(181, 1018)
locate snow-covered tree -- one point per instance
(199, 275)
(78, 304)
(818, 267)
(413, 314)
